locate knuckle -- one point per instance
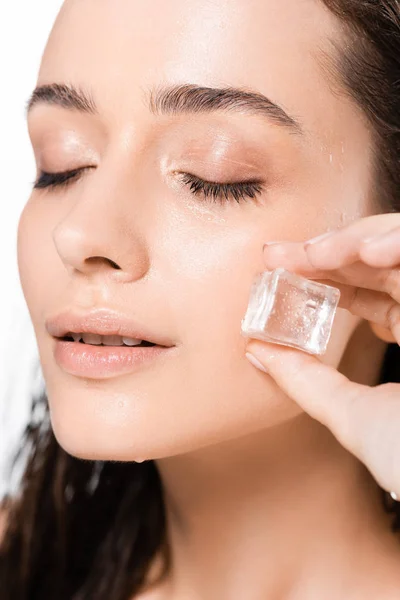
(391, 282)
(392, 318)
(354, 297)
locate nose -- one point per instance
(102, 237)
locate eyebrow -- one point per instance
(173, 99)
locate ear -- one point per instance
(382, 333)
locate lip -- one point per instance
(102, 321)
(103, 362)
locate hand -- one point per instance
(363, 261)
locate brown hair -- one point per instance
(367, 69)
(82, 529)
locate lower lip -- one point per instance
(101, 362)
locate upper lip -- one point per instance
(102, 321)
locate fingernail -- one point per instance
(319, 238)
(267, 244)
(254, 361)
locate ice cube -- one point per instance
(285, 308)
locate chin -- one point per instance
(78, 447)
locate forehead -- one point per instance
(119, 47)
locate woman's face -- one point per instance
(187, 260)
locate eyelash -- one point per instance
(55, 180)
(216, 192)
(220, 192)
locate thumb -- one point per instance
(322, 392)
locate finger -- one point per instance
(365, 420)
(343, 245)
(372, 306)
(294, 257)
(299, 255)
(382, 250)
(338, 247)
(322, 392)
(288, 255)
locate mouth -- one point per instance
(100, 357)
(105, 340)
(104, 327)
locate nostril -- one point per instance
(113, 264)
(100, 259)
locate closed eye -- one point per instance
(222, 192)
(210, 190)
(61, 179)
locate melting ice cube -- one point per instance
(288, 309)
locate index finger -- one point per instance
(334, 249)
(343, 245)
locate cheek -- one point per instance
(213, 277)
(214, 285)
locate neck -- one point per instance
(285, 511)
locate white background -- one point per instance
(24, 29)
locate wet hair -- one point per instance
(80, 529)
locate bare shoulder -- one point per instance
(3, 523)
(155, 589)
(4, 512)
